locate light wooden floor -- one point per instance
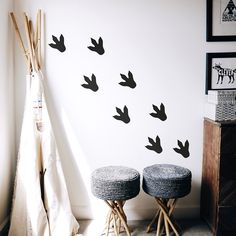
(94, 228)
(189, 228)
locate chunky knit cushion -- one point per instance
(115, 183)
(166, 181)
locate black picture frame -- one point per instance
(220, 57)
(209, 25)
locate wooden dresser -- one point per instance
(218, 190)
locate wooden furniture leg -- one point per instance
(159, 223)
(163, 217)
(116, 218)
(165, 210)
(171, 205)
(148, 230)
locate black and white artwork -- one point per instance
(221, 20)
(228, 11)
(183, 149)
(97, 46)
(91, 83)
(58, 44)
(123, 115)
(221, 71)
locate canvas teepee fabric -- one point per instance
(28, 215)
(41, 205)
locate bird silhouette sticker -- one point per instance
(183, 149)
(128, 81)
(123, 115)
(91, 83)
(97, 46)
(159, 113)
(58, 44)
(155, 145)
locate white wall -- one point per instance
(7, 140)
(163, 44)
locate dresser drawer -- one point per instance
(227, 180)
(227, 221)
(228, 140)
(228, 166)
(227, 192)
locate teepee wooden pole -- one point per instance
(34, 51)
(26, 21)
(31, 33)
(19, 38)
(36, 34)
(39, 25)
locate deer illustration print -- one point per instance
(222, 72)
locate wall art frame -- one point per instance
(220, 71)
(221, 20)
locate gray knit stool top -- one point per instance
(115, 183)
(166, 181)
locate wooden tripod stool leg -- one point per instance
(164, 217)
(170, 205)
(106, 229)
(159, 223)
(153, 221)
(166, 209)
(116, 216)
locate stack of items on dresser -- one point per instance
(221, 105)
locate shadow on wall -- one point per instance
(184, 209)
(74, 164)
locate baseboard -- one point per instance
(4, 226)
(189, 212)
(180, 212)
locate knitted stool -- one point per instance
(115, 185)
(166, 183)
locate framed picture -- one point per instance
(220, 71)
(221, 20)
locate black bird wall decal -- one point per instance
(58, 44)
(159, 113)
(97, 47)
(183, 149)
(91, 84)
(155, 145)
(123, 115)
(128, 81)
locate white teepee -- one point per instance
(41, 205)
